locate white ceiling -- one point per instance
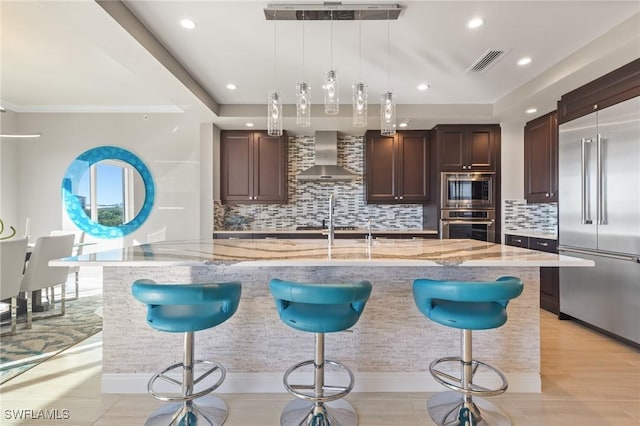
(61, 56)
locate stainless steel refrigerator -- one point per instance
(599, 218)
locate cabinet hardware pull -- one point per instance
(543, 244)
(517, 241)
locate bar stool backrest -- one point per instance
(502, 290)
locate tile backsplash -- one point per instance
(520, 216)
(309, 200)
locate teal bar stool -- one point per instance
(319, 309)
(187, 308)
(467, 306)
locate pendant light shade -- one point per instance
(303, 105)
(331, 95)
(359, 105)
(387, 114)
(330, 87)
(274, 104)
(388, 99)
(303, 94)
(274, 114)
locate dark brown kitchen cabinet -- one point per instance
(549, 277)
(610, 89)
(397, 168)
(467, 147)
(253, 167)
(541, 159)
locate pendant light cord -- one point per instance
(275, 41)
(388, 54)
(303, 45)
(360, 46)
(331, 44)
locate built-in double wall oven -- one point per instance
(467, 206)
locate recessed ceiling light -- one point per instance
(188, 23)
(248, 124)
(423, 86)
(531, 110)
(404, 124)
(231, 86)
(524, 61)
(475, 23)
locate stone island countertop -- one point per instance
(348, 252)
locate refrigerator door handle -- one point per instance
(599, 253)
(585, 214)
(602, 220)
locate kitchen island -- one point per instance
(389, 349)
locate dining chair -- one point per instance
(78, 245)
(39, 275)
(12, 257)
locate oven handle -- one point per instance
(468, 222)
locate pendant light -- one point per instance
(359, 90)
(388, 101)
(274, 104)
(303, 94)
(331, 98)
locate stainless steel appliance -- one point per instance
(465, 223)
(599, 218)
(467, 190)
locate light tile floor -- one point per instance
(588, 379)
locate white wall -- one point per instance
(8, 175)
(512, 160)
(169, 144)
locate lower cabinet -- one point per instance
(549, 277)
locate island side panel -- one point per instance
(391, 336)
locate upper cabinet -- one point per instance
(397, 167)
(541, 159)
(253, 167)
(467, 147)
(610, 89)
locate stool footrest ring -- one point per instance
(295, 389)
(456, 384)
(214, 367)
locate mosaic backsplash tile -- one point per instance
(309, 201)
(518, 216)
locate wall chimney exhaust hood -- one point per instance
(326, 162)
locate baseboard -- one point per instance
(365, 382)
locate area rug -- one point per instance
(48, 337)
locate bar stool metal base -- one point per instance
(207, 410)
(335, 413)
(453, 409)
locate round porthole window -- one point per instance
(108, 192)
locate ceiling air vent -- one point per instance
(487, 59)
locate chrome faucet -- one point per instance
(332, 205)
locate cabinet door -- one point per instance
(413, 173)
(451, 148)
(481, 145)
(236, 178)
(469, 147)
(541, 159)
(269, 168)
(380, 168)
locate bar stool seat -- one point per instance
(466, 306)
(319, 309)
(187, 308)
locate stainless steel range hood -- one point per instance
(326, 160)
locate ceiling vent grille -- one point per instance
(487, 60)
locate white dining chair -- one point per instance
(12, 257)
(78, 244)
(39, 275)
